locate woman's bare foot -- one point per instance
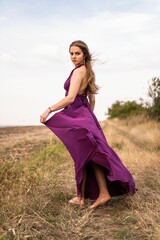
(101, 200)
(77, 201)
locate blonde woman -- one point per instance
(99, 172)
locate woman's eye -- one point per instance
(76, 53)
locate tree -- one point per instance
(154, 94)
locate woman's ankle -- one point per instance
(104, 194)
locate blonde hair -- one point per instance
(92, 87)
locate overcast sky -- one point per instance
(124, 36)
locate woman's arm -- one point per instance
(75, 84)
(91, 100)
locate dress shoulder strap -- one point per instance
(75, 69)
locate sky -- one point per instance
(123, 36)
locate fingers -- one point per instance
(42, 119)
(44, 116)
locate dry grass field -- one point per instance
(37, 180)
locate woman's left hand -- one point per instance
(44, 116)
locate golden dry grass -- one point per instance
(37, 180)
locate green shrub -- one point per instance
(122, 109)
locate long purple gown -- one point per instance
(79, 130)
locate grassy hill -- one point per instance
(37, 180)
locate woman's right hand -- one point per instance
(44, 116)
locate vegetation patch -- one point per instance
(36, 184)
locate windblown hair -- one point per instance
(92, 86)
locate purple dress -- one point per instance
(79, 130)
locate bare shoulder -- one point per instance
(81, 71)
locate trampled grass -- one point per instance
(37, 180)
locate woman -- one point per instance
(99, 172)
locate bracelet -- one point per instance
(50, 110)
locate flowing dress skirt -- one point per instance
(79, 130)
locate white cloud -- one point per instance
(3, 18)
(132, 40)
(46, 50)
(35, 60)
(6, 58)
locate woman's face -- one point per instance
(76, 55)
